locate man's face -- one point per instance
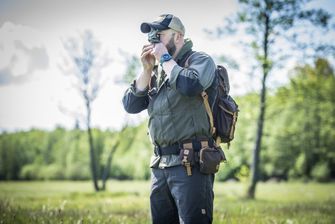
(167, 38)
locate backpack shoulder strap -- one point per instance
(205, 99)
(209, 111)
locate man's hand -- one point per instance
(147, 59)
(148, 63)
(158, 50)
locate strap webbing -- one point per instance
(209, 111)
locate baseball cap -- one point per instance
(165, 21)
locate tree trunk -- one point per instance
(91, 145)
(260, 123)
(105, 174)
(257, 149)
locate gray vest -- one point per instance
(174, 117)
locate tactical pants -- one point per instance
(178, 198)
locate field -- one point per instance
(128, 202)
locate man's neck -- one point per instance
(177, 51)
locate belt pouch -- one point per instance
(210, 159)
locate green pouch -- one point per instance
(210, 159)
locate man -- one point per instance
(171, 92)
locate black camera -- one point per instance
(153, 36)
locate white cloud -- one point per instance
(21, 54)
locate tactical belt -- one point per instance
(175, 148)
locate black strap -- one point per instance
(168, 150)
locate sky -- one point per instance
(36, 92)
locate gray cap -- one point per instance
(165, 21)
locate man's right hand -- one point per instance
(147, 59)
(148, 63)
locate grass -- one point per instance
(128, 202)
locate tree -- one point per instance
(87, 72)
(310, 99)
(267, 25)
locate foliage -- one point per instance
(64, 154)
(303, 136)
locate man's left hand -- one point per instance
(159, 50)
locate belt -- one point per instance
(174, 149)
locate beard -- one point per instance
(171, 47)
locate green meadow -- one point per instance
(128, 202)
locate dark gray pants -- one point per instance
(178, 198)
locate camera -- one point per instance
(153, 36)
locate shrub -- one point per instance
(321, 172)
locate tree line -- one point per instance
(298, 144)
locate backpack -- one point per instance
(224, 112)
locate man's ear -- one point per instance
(179, 37)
